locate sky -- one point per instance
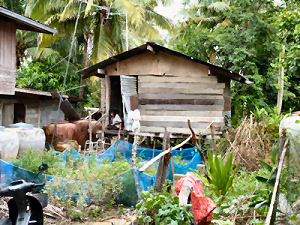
(170, 12)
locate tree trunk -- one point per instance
(280, 81)
(163, 165)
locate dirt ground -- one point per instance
(52, 219)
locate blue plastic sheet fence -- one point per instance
(189, 158)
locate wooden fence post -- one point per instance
(163, 165)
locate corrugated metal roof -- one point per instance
(32, 91)
(151, 46)
(71, 98)
(25, 23)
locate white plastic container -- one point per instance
(9, 144)
(30, 138)
(292, 125)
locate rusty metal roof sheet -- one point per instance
(71, 98)
(25, 23)
(151, 46)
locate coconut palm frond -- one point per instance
(135, 40)
(101, 45)
(41, 53)
(158, 19)
(88, 7)
(118, 34)
(219, 6)
(70, 10)
(148, 31)
(135, 10)
(226, 23)
(41, 10)
(166, 2)
(65, 29)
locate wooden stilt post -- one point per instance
(154, 142)
(163, 165)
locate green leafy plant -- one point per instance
(162, 208)
(31, 160)
(220, 174)
(262, 197)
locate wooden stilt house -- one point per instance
(167, 87)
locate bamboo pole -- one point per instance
(272, 211)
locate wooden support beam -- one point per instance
(163, 165)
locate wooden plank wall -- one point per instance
(173, 89)
(7, 58)
(171, 100)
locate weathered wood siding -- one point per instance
(7, 57)
(38, 111)
(165, 103)
(172, 90)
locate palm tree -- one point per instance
(102, 24)
(208, 13)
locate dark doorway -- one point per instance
(19, 113)
(116, 97)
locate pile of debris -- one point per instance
(248, 143)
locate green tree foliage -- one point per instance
(247, 43)
(289, 33)
(48, 73)
(14, 5)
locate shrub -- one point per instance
(162, 208)
(31, 160)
